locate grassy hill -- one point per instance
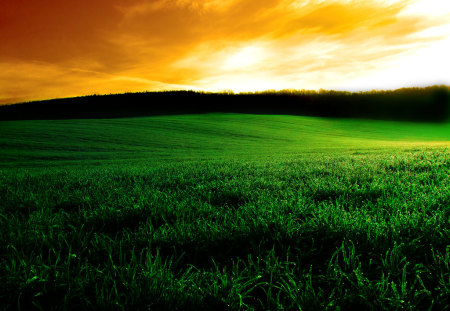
(206, 136)
(224, 212)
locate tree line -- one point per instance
(409, 104)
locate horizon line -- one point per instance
(231, 92)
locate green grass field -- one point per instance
(224, 212)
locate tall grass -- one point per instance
(346, 229)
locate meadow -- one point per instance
(224, 211)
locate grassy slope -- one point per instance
(225, 212)
(193, 136)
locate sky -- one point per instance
(54, 48)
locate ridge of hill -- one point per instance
(411, 104)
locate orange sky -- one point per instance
(54, 48)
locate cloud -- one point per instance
(52, 48)
(26, 81)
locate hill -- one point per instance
(213, 136)
(224, 212)
(414, 104)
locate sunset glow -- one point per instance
(52, 48)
